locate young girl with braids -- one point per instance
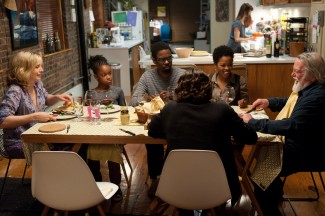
(112, 153)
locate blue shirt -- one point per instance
(236, 46)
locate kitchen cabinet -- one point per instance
(276, 2)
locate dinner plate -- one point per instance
(116, 108)
(65, 117)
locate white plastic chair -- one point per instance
(193, 180)
(62, 180)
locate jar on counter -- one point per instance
(125, 117)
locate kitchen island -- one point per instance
(266, 77)
(127, 55)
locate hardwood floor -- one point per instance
(136, 201)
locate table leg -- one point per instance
(76, 147)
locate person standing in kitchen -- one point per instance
(155, 82)
(237, 32)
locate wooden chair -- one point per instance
(63, 181)
(4, 154)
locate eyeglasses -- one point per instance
(163, 60)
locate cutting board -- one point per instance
(50, 128)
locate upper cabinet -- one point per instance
(275, 2)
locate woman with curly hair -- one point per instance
(25, 100)
(194, 122)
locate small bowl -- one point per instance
(183, 52)
(142, 117)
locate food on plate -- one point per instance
(154, 106)
(65, 107)
(157, 104)
(199, 52)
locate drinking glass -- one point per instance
(171, 93)
(95, 108)
(228, 94)
(78, 107)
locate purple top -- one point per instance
(18, 102)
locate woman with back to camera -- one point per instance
(112, 153)
(25, 100)
(205, 125)
(223, 58)
(237, 32)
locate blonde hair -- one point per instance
(21, 66)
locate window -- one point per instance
(50, 20)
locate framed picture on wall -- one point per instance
(23, 25)
(161, 11)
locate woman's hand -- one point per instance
(44, 117)
(66, 98)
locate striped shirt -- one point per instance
(152, 83)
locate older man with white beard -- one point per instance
(300, 123)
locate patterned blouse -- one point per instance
(18, 102)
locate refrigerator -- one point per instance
(129, 20)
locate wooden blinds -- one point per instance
(50, 18)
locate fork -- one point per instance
(68, 128)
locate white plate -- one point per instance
(116, 108)
(65, 117)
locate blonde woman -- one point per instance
(25, 100)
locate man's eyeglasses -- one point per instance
(163, 60)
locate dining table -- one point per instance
(87, 132)
(109, 132)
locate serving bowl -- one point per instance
(183, 52)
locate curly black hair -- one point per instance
(194, 87)
(95, 62)
(158, 46)
(222, 51)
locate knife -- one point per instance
(128, 132)
(251, 110)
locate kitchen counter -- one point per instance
(128, 44)
(206, 60)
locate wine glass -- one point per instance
(141, 99)
(106, 99)
(228, 94)
(78, 107)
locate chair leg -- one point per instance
(321, 179)
(101, 210)
(126, 176)
(310, 199)
(248, 188)
(127, 159)
(22, 180)
(5, 178)
(45, 210)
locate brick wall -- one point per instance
(59, 69)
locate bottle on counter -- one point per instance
(268, 45)
(276, 52)
(57, 42)
(49, 45)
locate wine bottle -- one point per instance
(49, 45)
(57, 42)
(276, 51)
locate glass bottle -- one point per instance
(276, 51)
(125, 117)
(268, 45)
(49, 44)
(57, 42)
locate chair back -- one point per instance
(193, 179)
(241, 70)
(3, 152)
(62, 180)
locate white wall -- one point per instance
(143, 5)
(220, 30)
(320, 45)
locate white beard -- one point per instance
(298, 86)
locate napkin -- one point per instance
(154, 106)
